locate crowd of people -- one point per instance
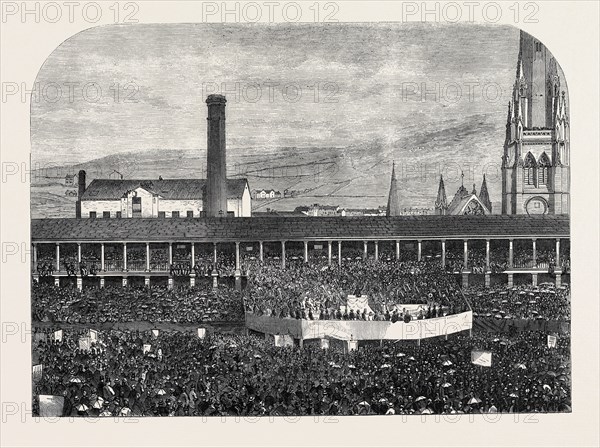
(179, 374)
(320, 292)
(134, 304)
(521, 302)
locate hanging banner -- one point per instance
(201, 333)
(146, 348)
(155, 333)
(481, 358)
(352, 345)
(552, 341)
(325, 344)
(288, 341)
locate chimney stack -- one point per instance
(216, 185)
(80, 191)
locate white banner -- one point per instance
(201, 333)
(58, 335)
(352, 345)
(85, 343)
(155, 333)
(283, 340)
(552, 341)
(93, 335)
(37, 372)
(146, 348)
(481, 358)
(325, 344)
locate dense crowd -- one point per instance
(320, 292)
(129, 304)
(521, 302)
(183, 375)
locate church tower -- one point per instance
(535, 164)
(393, 206)
(441, 203)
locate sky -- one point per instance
(395, 89)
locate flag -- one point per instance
(51, 405)
(58, 335)
(146, 348)
(481, 358)
(352, 345)
(201, 333)
(85, 343)
(552, 341)
(93, 335)
(155, 333)
(37, 372)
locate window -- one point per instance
(162, 215)
(529, 166)
(190, 214)
(543, 175)
(92, 214)
(106, 214)
(529, 176)
(118, 214)
(174, 214)
(137, 207)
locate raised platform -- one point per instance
(361, 330)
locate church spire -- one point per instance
(393, 207)
(441, 203)
(484, 196)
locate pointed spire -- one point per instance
(474, 190)
(484, 196)
(441, 203)
(393, 206)
(462, 179)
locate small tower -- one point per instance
(441, 203)
(484, 196)
(393, 206)
(216, 183)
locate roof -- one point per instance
(113, 189)
(279, 228)
(457, 206)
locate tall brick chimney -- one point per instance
(216, 184)
(80, 191)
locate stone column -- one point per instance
(329, 252)
(397, 250)
(238, 272)
(101, 282)
(57, 257)
(365, 250)
(557, 264)
(170, 254)
(125, 260)
(558, 280)
(102, 269)
(215, 257)
(306, 251)
(193, 249)
(148, 260)
(79, 283)
(487, 280)
(376, 250)
(487, 255)
(260, 248)
(419, 249)
(534, 279)
(339, 252)
(510, 254)
(444, 253)
(78, 252)
(283, 254)
(534, 253)
(466, 254)
(510, 280)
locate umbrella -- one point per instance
(446, 385)
(351, 366)
(75, 380)
(474, 401)
(496, 340)
(427, 411)
(160, 392)
(125, 411)
(385, 366)
(507, 317)
(363, 403)
(522, 293)
(98, 403)
(411, 358)
(498, 316)
(419, 398)
(513, 395)
(520, 366)
(546, 387)
(383, 400)
(447, 363)
(400, 355)
(82, 407)
(105, 414)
